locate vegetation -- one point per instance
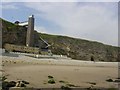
(13, 34)
(81, 49)
(62, 45)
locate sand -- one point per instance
(79, 73)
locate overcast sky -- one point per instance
(96, 21)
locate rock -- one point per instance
(50, 76)
(65, 88)
(20, 84)
(25, 82)
(51, 81)
(109, 80)
(118, 81)
(11, 84)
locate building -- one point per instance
(30, 32)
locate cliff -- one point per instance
(62, 45)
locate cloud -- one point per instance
(41, 29)
(92, 21)
(8, 5)
(60, 0)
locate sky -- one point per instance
(95, 21)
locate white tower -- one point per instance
(30, 32)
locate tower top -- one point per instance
(32, 16)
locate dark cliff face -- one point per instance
(72, 47)
(13, 34)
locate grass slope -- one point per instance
(62, 45)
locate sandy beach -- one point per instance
(78, 73)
